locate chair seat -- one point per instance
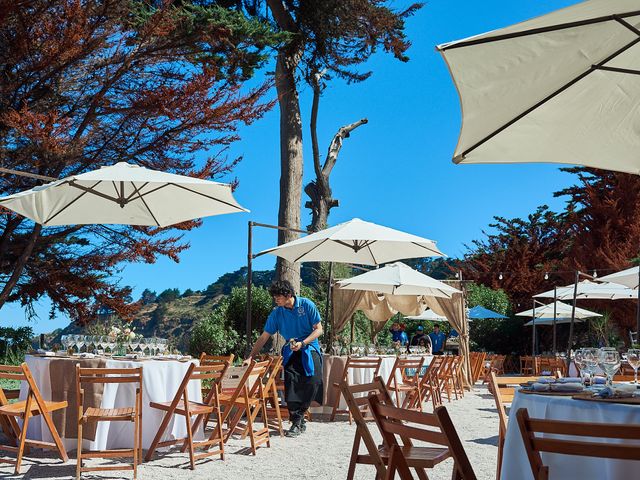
(109, 413)
(226, 398)
(195, 408)
(425, 457)
(17, 409)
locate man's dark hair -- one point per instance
(281, 287)
(436, 325)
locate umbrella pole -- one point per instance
(555, 305)
(249, 284)
(533, 329)
(353, 331)
(326, 307)
(638, 310)
(573, 317)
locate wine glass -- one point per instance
(609, 362)
(80, 342)
(578, 359)
(335, 347)
(65, 340)
(633, 358)
(134, 344)
(590, 358)
(162, 345)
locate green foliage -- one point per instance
(169, 295)
(603, 331)
(188, 293)
(213, 336)
(14, 342)
(235, 308)
(148, 296)
(496, 300)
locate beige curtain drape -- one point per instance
(344, 305)
(454, 310)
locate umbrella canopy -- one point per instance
(356, 241)
(479, 312)
(588, 289)
(123, 194)
(561, 88)
(398, 279)
(549, 321)
(628, 278)
(428, 314)
(562, 311)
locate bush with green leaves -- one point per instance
(14, 342)
(214, 336)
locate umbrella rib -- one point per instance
(207, 196)
(153, 190)
(136, 190)
(572, 82)
(92, 191)
(373, 257)
(534, 31)
(145, 204)
(618, 70)
(67, 205)
(308, 252)
(348, 245)
(427, 248)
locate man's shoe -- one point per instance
(303, 426)
(294, 431)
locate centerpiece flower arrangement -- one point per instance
(123, 337)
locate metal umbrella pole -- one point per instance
(555, 305)
(533, 333)
(638, 310)
(573, 317)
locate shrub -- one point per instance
(213, 336)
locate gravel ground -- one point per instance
(321, 453)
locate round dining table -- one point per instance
(515, 463)
(55, 377)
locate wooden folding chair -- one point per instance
(270, 392)
(429, 389)
(462, 466)
(181, 405)
(378, 456)
(206, 359)
(424, 427)
(536, 437)
(478, 365)
(248, 399)
(95, 414)
(353, 363)
(33, 405)
(408, 369)
(503, 390)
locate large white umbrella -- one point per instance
(549, 321)
(428, 314)
(591, 290)
(356, 241)
(628, 278)
(398, 279)
(560, 88)
(123, 194)
(560, 310)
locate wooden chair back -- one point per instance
(585, 441)
(408, 369)
(206, 359)
(353, 363)
(463, 469)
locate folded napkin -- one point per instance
(87, 355)
(598, 380)
(617, 391)
(546, 380)
(566, 387)
(46, 353)
(540, 387)
(570, 380)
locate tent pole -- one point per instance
(555, 305)
(573, 317)
(353, 332)
(638, 310)
(326, 307)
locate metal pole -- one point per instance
(638, 310)
(555, 302)
(573, 317)
(533, 335)
(249, 285)
(327, 309)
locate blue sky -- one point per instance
(396, 170)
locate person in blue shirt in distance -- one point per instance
(438, 340)
(398, 334)
(298, 321)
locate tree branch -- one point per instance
(336, 145)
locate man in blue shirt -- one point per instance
(437, 340)
(398, 334)
(298, 321)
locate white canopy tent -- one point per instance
(428, 314)
(560, 88)
(629, 277)
(588, 289)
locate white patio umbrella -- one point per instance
(591, 290)
(398, 279)
(629, 278)
(549, 321)
(123, 194)
(356, 241)
(560, 310)
(560, 88)
(428, 314)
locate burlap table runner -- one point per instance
(333, 368)
(62, 373)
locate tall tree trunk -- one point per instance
(20, 264)
(291, 162)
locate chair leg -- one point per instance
(276, 406)
(158, 437)
(192, 460)
(354, 454)
(265, 420)
(23, 434)
(56, 437)
(136, 446)
(251, 433)
(336, 403)
(79, 451)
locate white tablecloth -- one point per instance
(160, 379)
(515, 464)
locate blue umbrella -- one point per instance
(479, 312)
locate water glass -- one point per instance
(609, 362)
(633, 357)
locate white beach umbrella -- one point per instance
(123, 194)
(562, 311)
(549, 321)
(591, 290)
(428, 314)
(356, 241)
(560, 88)
(628, 278)
(398, 279)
